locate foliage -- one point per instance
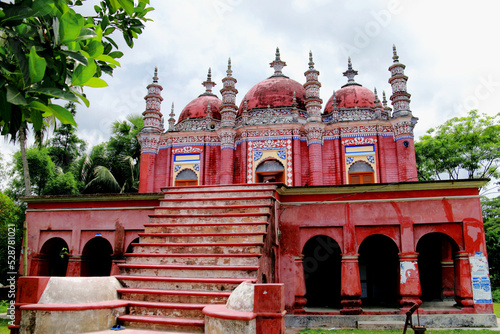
(49, 51)
(491, 218)
(469, 145)
(65, 147)
(11, 219)
(45, 177)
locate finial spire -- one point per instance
(350, 74)
(395, 56)
(294, 100)
(311, 62)
(278, 64)
(229, 71)
(384, 100)
(155, 77)
(209, 84)
(245, 103)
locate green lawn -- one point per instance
(4, 324)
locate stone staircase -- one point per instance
(200, 244)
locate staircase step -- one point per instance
(193, 259)
(164, 323)
(380, 325)
(206, 227)
(207, 248)
(174, 296)
(203, 210)
(201, 237)
(239, 188)
(194, 311)
(189, 271)
(182, 193)
(214, 201)
(208, 219)
(182, 283)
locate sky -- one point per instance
(451, 51)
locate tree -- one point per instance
(49, 51)
(491, 217)
(461, 147)
(11, 223)
(65, 147)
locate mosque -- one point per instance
(322, 198)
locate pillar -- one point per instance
(447, 272)
(350, 290)
(409, 283)
(300, 285)
(74, 266)
(463, 282)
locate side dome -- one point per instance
(351, 96)
(276, 91)
(198, 108)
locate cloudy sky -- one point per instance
(451, 50)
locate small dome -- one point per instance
(351, 96)
(276, 91)
(198, 107)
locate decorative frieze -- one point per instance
(358, 141)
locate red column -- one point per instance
(147, 172)
(74, 266)
(315, 164)
(297, 162)
(447, 271)
(409, 286)
(269, 304)
(227, 157)
(350, 290)
(300, 286)
(463, 282)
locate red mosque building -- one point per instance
(283, 188)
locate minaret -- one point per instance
(227, 133)
(149, 137)
(400, 97)
(208, 84)
(350, 74)
(314, 128)
(171, 120)
(378, 104)
(312, 86)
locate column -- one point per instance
(409, 283)
(350, 291)
(300, 285)
(463, 283)
(74, 266)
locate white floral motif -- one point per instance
(359, 141)
(188, 149)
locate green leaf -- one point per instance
(37, 66)
(76, 56)
(128, 6)
(95, 49)
(113, 6)
(96, 83)
(83, 98)
(16, 12)
(43, 7)
(21, 59)
(116, 54)
(55, 92)
(62, 114)
(108, 59)
(36, 119)
(82, 74)
(41, 107)
(5, 108)
(70, 26)
(15, 97)
(86, 33)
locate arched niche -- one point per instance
(270, 171)
(187, 177)
(53, 258)
(97, 257)
(361, 172)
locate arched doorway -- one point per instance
(53, 258)
(436, 267)
(96, 257)
(130, 248)
(379, 271)
(361, 173)
(186, 178)
(322, 269)
(269, 171)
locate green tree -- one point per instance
(11, 223)
(65, 148)
(94, 172)
(461, 146)
(49, 51)
(491, 217)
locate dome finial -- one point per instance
(155, 77)
(350, 74)
(229, 70)
(209, 84)
(278, 65)
(311, 62)
(395, 56)
(384, 100)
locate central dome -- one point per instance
(276, 91)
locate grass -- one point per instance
(4, 323)
(496, 309)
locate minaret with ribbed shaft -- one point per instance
(149, 137)
(171, 120)
(227, 133)
(312, 86)
(314, 128)
(400, 97)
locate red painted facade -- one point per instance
(352, 227)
